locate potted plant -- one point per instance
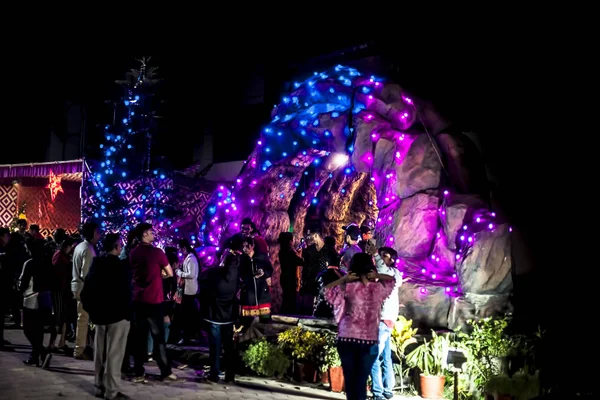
(304, 347)
(331, 365)
(488, 347)
(403, 335)
(429, 358)
(266, 359)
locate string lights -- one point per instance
(122, 190)
(314, 129)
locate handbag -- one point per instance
(178, 297)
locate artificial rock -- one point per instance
(345, 148)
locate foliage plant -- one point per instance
(403, 335)
(303, 345)
(266, 359)
(330, 355)
(430, 357)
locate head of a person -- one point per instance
(184, 246)
(388, 255)
(235, 248)
(59, 235)
(4, 236)
(248, 246)
(22, 225)
(361, 264)
(145, 232)
(285, 240)
(366, 232)
(34, 229)
(67, 245)
(173, 259)
(247, 227)
(351, 234)
(112, 244)
(313, 235)
(91, 232)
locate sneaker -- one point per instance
(32, 361)
(170, 378)
(99, 393)
(46, 360)
(388, 396)
(138, 379)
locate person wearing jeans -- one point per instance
(354, 297)
(382, 372)
(219, 308)
(149, 265)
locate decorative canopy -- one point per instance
(70, 170)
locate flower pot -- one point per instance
(298, 371)
(432, 387)
(336, 379)
(309, 372)
(325, 377)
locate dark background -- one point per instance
(510, 97)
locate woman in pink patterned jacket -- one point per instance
(357, 299)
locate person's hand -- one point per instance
(373, 275)
(268, 281)
(370, 248)
(259, 273)
(351, 277)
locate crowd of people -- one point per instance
(137, 297)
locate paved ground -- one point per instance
(69, 378)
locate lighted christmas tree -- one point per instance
(124, 188)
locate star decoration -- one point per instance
(54, 185)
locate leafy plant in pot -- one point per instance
(331, 365)
(305, 347)
(403, 335)
(430, 359)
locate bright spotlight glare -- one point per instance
(339, 160)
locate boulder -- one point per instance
(420, 169)
(486, 266)
(477, 306)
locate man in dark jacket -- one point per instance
(106, 297)
(219, 308)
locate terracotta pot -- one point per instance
(325, 377)
(309, 372)
(298, 372)
(336, 379)
(432, 387)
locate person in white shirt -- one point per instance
(83, 255)
(382, 372)
(188, 277)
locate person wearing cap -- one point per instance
(366, 234)
(351, 238)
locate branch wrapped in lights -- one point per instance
(122, 190)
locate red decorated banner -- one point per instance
(63, 212)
